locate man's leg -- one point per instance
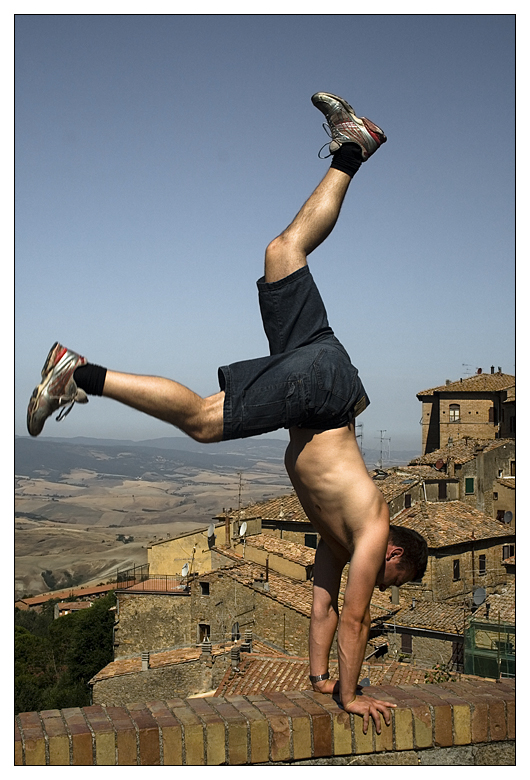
(169, 401)
(68, 377)
(313, 223)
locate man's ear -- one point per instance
(395, 552)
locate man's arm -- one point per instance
(354, 629)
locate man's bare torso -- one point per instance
(338, 495)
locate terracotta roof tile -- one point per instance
(478, 383)
(286, 507)
(508, 482)
(461, 451)
(501, 605)
(446, 523)
(292, 551)
(432, 615)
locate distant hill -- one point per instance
(159, 458)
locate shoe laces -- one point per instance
(328, 131)
(65, 411)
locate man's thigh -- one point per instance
(292, 311)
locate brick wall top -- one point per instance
(273, 727)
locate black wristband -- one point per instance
(318, 677)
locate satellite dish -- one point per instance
(185, 570)
(365, 682)
(479, 596)
(243, 529)
(508, 517)
(211, 530)
(439, 465)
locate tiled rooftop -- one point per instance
(295, 594)
(478, 383)
(292, 551)
(461, 451)
(281, 508)
(261, 675)
(508, 482)
(432, 615)
(501, 606)
(88, 590)
(449, 522)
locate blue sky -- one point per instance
(156, 156)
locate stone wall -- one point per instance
(461, 723)
(186, 678)
(149, 622)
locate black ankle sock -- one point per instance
(348, 159)
(90, 378)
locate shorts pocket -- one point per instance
(268, 408)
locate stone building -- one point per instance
(481, 468)
(466, 549)
(478, 407)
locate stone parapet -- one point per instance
(453, 723)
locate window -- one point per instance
(500, 515)
(310, 540)
(492, 415)
(408, 500)
(512, 468)
(442, 490)
(456, 570)
(495, 496)
(406, 643)
(507, 551)
(454, 412)
(482, 564)
(203, 631)
(470, 485)
(205, 588)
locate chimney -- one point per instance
(479, 371)
(246, 646)
(394, 598)
(145, 662)
(413, 606)
(499, 369)
(450, 467)
(227, 531)
(235, 656)
(493, 369)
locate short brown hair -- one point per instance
(415, 550)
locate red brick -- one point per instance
(34, 744)
(320, 722)
(103, 734)
(442, 714)
(341, 723)
(300, 724)
(193, 731)
(258, 729)
(510, 719)
(58, 741)
(479, 719)
(171, 731)
(215, 731)
(497, 720)
(148, 734)
(126, 746)
(81, 736)
(19, 755)
(423, 728)
(237, 726)
(279, 728)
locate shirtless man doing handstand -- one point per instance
(308, 385)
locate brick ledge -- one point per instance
(297, 726)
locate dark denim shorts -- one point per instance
(307, 380)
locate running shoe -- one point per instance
(344, 127)
(57, 389)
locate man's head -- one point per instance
(405, 558)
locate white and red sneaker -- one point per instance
(344, 127)
(57, 389)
